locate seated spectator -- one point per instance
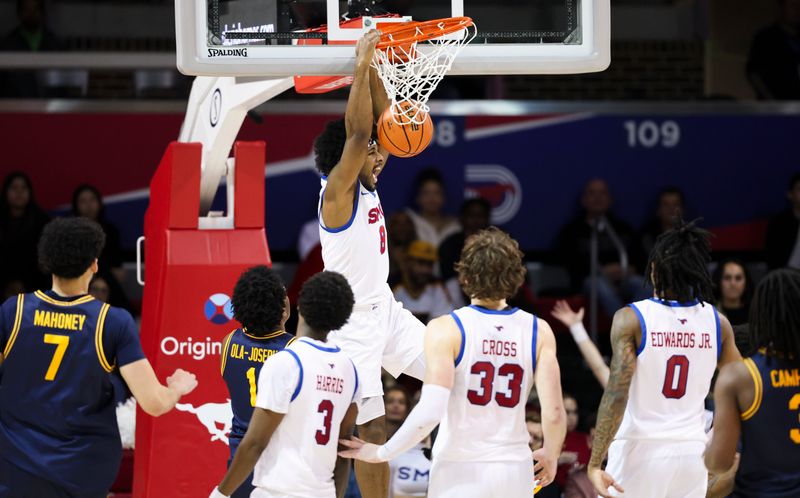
(21, 224)
(475, 215)
(578, 484)
(733, 289)
(88, 203)
(419, 292)
(432, 223)
(783, 239)
(30, 35)
(615, 284)
(408, 473)
(577, 448)
(400, 232)
(670, 206)
(773, 66)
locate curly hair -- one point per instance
(325, 302)
(69, 246)
(329, 145)
(775, 316)
(491, 265)
(258, 301)
(679, 263)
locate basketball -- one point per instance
(407, 139)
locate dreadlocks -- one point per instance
(775, 314)
(679, 263)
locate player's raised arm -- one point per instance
(155, 398)
(358, 122)
(554, 418)
(380, 102)
(442, 342)
(624, 330)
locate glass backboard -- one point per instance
(274, 37)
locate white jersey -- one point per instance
(409, 474)
(358, 250)
(676, 360)
(485, 419)
(314, 385)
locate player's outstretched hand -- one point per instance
(602, 481)
(565, 315)
(182, 381)
(365, 47)
(544, 467)
(360, 450)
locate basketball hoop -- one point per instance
(412, 58)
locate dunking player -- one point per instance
(353, 236)
(261, 306)
(759, 398)
(58, 425)
(483, 360)
(665, 352)
(306, 399)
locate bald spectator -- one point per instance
(419, 292)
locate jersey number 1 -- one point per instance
(251, 379)
(61, 342)
(676, 388)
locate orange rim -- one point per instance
(408, 33)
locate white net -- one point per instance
(411, 71)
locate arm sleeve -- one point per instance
(279, 382)
(420, 422)
(121, 338)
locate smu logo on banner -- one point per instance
(218, 309)
(217, 418)
(498, 185)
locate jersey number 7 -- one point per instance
(61, 342)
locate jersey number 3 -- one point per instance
(486, 370)
(677, 366)
(324, 435)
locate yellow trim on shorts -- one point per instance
(44, 297)
(225, 344)
(98, 339)
(759, 389)
(17, 323)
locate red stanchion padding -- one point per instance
(190, 274)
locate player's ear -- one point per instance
(287, 310)
(95, 266)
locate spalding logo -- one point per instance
(498, 185)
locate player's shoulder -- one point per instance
(116, 316)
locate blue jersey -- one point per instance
(243, 355)
(770, 461)
(57, 410)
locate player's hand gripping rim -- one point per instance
(360, 450)
(602, 481)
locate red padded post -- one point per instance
(190, 274)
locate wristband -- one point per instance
(578, 332)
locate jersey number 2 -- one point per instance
(324, 435)
(676, 388)
(61, 342)
(486, 370)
